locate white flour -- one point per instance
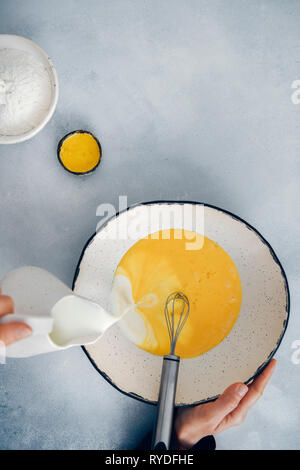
(25, 91)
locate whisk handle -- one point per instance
(166, 399)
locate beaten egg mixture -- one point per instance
(160, 264)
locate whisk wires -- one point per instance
(176, 317)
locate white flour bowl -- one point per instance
(8, 41)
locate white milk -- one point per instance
(134, 326)
(78, 321)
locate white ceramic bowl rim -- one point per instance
(13, 139)
(239, 219)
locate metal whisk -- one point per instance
(177, 309)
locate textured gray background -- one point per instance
(191, 100)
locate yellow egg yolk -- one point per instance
(80, 152)
(207, 276)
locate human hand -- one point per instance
(13, 331)
(230, 409)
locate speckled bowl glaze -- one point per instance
(251, 343)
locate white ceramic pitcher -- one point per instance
(59, 319)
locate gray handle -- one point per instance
(166, 399)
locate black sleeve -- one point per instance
(206, 443)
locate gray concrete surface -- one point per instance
(191, 100)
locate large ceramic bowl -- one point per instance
(10, 41)
(251, 343)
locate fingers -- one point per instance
(263, 378)
(228, 401)
(14, 331)
(202, 420)
(237, 416)
(230, 409)
(258, 385)
(6, 305)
